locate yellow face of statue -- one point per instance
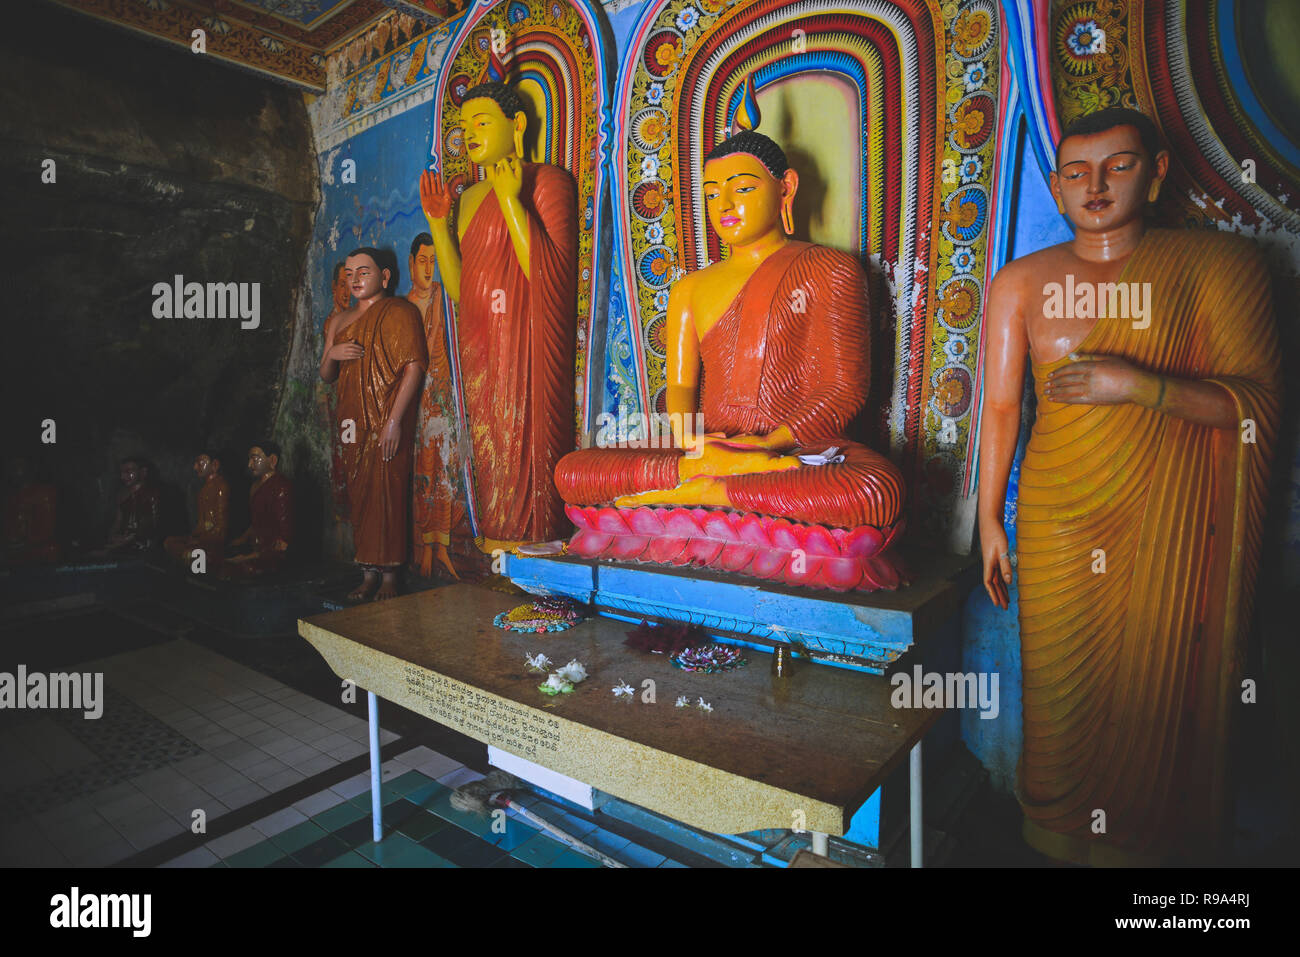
(742, 198)
(489, 133)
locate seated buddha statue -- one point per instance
(209, 532)
(137, 527)
(29, 517)
(781, 331)
(264, 546)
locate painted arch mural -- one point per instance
(889, 112)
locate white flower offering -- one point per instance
(557, 683)
(538, 663)
(623, 689)
(573, 672)
(682, 702)
(703, 706)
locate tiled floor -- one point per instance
(188, 735)
(333, 829)
(184, 730)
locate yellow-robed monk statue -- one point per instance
(781, 331)
(1142, 494)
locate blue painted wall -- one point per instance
(382, 209)
(991, 636)
(621, 23)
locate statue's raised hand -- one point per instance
(507, 178)
(435, 197)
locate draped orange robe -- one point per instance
(30, 516)
(1131, 675)
(210, 530)
(434, 460)
(791, 349)
(391, 336)
(516, 337)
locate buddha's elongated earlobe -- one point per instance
(1154, 192)
(789, 186)
(519, 141)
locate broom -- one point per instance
(493, 791)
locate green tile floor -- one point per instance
(240, 746)
(421, 829)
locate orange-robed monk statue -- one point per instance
(514, 277)
(433, 499)
(29, 518)
(376, 351)
(1142, 492)
(264, 546)
(139, 510)
(210, 530)
(781, 329)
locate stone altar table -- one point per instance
(810, 749)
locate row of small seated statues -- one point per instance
(32, 527)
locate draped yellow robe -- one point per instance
(1132, 674)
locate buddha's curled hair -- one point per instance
(756, 145)
(500, 94)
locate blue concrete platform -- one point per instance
(864, 631)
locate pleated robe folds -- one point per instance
(516, 338)
(379, 492)
(791, 349)
(1138, 541)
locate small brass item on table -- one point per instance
(783, 657)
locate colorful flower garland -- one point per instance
(540, 616)
(709, 659)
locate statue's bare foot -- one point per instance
(367, 588)
(444, 559)
(388, 588)
(702, 490)
(642, 498)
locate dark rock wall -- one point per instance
(166, 164)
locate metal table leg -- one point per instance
(914, 796)
(376, 803)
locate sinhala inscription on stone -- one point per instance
(489, 719)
